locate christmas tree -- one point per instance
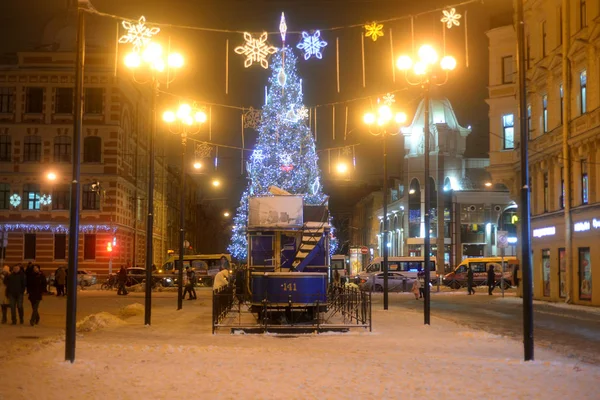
(285, 154)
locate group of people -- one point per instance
(491, 280)
(13, 284)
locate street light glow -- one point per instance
(404, 63)
(169, 117)
(175, 60)
(448, 63)
(385, 113)
(342, 168)
(152, 52)
(197, 165)
(200, 117)
(488, 184)
(132, 60)
(51, 176)
(369, 118)
(216, 183)
(401, 118)
(427, 54)
(183, 111)
(420, 68)
(226, 214)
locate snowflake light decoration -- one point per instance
(138, 34)
(347, 150)
(286, 162)
(252, 118)
(15, 200)
(256, 50)
(46, 199)
(450, 18)
(389, 99)
(312, 45)
(374, 30)
(302, 113)
(258, 156)
(203, 150)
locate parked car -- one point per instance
(397, 282)
(137, 275)
(84, 278)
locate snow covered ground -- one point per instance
(119, 358)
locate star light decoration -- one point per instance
(46, 199)
(374, 30)
(311, 45)
(252, 118)
(256, 50)
(450, 18)
(15, 200)
(389, 99)
(138, 34)
(203, 150)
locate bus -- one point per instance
(408, 266)
(341, 264)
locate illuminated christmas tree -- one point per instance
(285, 154)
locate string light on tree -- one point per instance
(286, 162)
(15, 200)
(374, 31)
(450, 18)
(311, 45)
(138, 34)
(256, 50)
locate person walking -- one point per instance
(491, 279)
(122, 279)
(15, 289)
(35, 289)
(60, 278)
(4, 302)
(470, 280)
(416, 288)
(191, 284)
(186, 284)
(421, 279)
(221, 279)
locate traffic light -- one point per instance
(109, 247)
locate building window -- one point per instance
(63, 101)
(583, 91)
(92, 149)
(61, 197)
(32, 149)
(582, 14)
(562, 188)
(546, 272)
(4, 196)
(91, 198)
(545, 113)
(545, 192)
(93, 100)
(60, 246)
(584, 182)
(62, 149)
(528, 52)
(544, 39)
(529, 120)
(5, 147)
(508, 131)
(560, 25)
(29, 246)
(34, 103)
(31, 196)
(7, 97)
(89, 247)
(507, 69)
(562, 102)
(585, 274)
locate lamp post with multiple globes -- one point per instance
(425, 71)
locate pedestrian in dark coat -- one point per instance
(491, 279)
(122, 277)
(470, 283)
(15, 289)
(35, 288)
(60, 278)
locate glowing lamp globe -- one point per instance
(404, 63)
(385, 113)
(184, 111)
(400, 118)
(420, 68)
(132, 60)
(427, 54)
(216, 183)
(342, 168)
(51, 176)
(369, 118)
(197, 165)
(158, 64)
(175, 60)
(200, 117)
(169, 117)
(448, 63)
(152, 52)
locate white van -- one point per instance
(407, 266)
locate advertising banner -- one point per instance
(275, 212)
(585, 274)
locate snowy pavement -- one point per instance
(178, 356)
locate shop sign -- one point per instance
(584, 226)
(547, 231)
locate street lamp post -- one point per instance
(152, 58)
(424, 72)
(378, 124)
(185, 121)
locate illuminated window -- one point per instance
(584, 182)
(562, 101)
(545, 192)
(583, 91)
(508, 129)
(545, 113)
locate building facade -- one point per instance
(563, 124)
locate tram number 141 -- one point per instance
(289, 287)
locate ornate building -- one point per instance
(563, 119)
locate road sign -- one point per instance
(502, 239)
(364, 250)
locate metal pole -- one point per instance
(150, 220)
(426, 241)
(385, 225)
(74, 204)
(525, 206)
(502, 277)
(181, 227)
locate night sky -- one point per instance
(22, 25)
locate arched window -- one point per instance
(31, 196)
(62, 149)
(92, 149)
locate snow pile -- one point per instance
(101, 320)
(140, 287)
(131, 310)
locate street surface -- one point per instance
(571, 330)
